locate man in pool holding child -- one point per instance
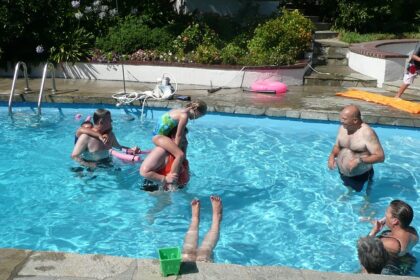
(90, 151)
(356, 149)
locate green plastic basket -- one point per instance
(170, 260)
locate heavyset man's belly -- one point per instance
(343, 163)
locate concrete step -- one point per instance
(338, 76)
(337, 69)
(322, 26)
(325, 34)
(330, 46)
(314, 19)
(333, 42)
(330, 59)
(413, 89)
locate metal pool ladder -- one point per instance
(15, 76)
(47, 66)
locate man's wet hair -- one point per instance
(99, 115)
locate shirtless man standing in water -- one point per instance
(88, 150)
(357, 147)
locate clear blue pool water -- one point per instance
(282, 206)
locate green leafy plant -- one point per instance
(194, 35)
(206, 54)
(73, 47)
(372, 16)
(131, 34)
(281, 40)
(232, 54)
(353, 16)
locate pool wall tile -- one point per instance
(275, 112)
(293, 114)
(250, 110)
(313, 115)
(392, 121)
(416, 123)
(334, 117)
(370, 119)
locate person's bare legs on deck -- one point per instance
(401, 90)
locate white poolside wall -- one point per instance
(182, 75)
(384, 70)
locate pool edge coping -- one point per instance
(288, 113)
(17, 263)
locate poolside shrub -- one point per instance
(232, 54)
(72, 47)
(206, 54)
(281, 40)
(132, 34)
(194, 35)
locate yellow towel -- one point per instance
(404, 105)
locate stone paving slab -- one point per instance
(413, 90)
(24, 264)
(11, 260)
(305, 102)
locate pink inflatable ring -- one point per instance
(269, 87)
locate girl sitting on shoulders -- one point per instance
(176, 119)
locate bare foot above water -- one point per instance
(216, 203)
(195, 208)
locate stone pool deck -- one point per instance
(305, 102)
(25, 264)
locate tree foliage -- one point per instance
(67, 30)
(369, 16)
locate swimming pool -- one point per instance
(282, 206)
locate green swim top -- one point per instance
(165, 125)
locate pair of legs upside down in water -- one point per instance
(190, 253)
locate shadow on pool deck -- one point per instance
(306, 102)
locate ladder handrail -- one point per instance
(15, 76)
(44, 76)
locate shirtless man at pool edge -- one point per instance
(88, 150)
(356, 149)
